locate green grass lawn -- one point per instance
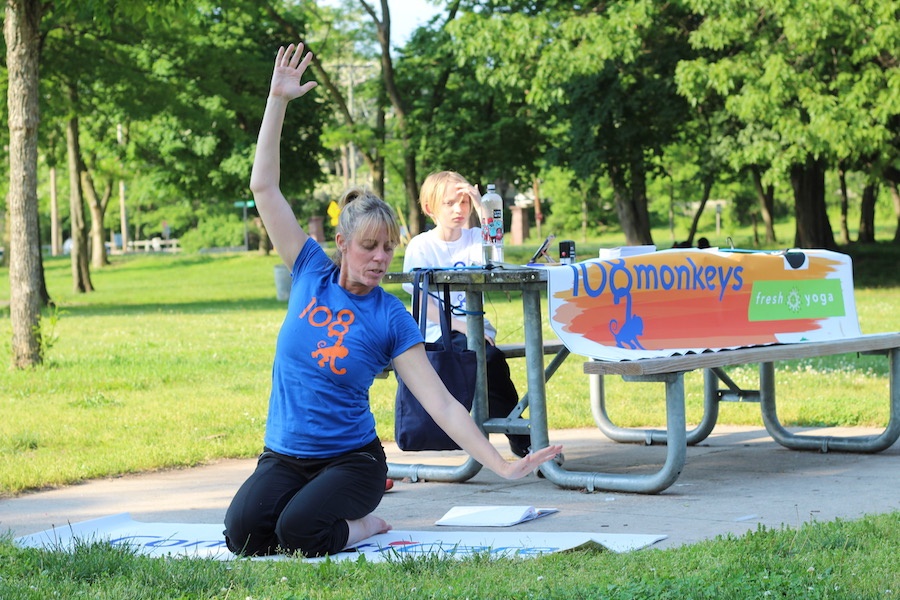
(168, 364)
(828, 561)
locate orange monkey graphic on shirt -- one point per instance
(337, 326)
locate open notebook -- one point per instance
(491, 516)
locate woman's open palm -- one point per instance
(290, 65)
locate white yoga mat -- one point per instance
(203, 540)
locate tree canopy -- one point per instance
(609, 105)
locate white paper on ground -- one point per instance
(205, 540)
(492, 516)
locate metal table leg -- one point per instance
(655, 436)
(676, 451)
(823, 443)
(471, 467)
(534, 368)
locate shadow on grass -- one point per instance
(187, 308)
(875, 265)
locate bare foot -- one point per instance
(366, 527)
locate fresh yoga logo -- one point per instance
(784, 300)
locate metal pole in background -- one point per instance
(123, 219)
(246, 231)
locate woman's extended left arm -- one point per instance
(425, 384)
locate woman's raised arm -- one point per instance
(281, 224)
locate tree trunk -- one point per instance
(866, 233)
(416, 220)
(639, 199)
(345, 165)
(584, 218)
(629, 219)
(845, 205)
(895, 195)
(813, 228)
(538, 215)
(123, 216)
(4, 236)
(81, 273)
(376, 163)
(410, 183)
(22, 34)
(264, 246)
(766, 197)
(55, 233)
(98, 205)
(633, 218)
(425, 120)
(43, 292)
(707, 190)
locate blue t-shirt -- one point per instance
(331, 346)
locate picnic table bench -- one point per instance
(671, 371)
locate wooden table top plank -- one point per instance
(740, 356)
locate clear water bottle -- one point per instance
(492, 226)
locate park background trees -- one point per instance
(616, 115)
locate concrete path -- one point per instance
(733, 482)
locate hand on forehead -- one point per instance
(465, 190)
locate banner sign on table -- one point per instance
(684, 300)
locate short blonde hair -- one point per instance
(434, 188)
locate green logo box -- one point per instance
(785, 300)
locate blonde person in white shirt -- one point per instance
(449, 199)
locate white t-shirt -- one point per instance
(428, 250)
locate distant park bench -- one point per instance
(153, 245)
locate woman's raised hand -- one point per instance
(290, 65)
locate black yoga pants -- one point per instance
(302, 505)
